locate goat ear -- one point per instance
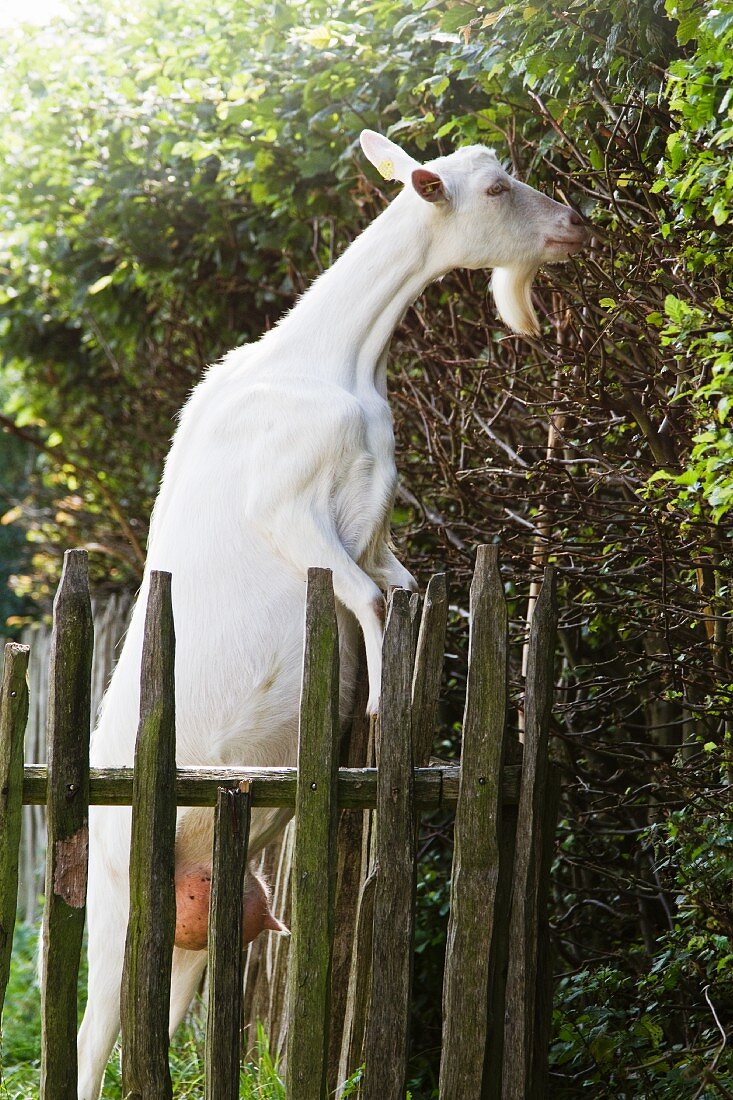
(429, 186)
(390, 161)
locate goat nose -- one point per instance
(576, 219)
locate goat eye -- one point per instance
(496, 189)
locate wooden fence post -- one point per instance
(348, 955)
(394, 900)
(314, 859)
(67, 819)
(472, 927)
(231, 835)
(428, 668)
(528, 889)
(352, 1054)
(146, 976)
(427, 636)
(13, 717)
(544, 994)
(32, 869)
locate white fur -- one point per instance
(284, 459)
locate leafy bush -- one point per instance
(659, 1030)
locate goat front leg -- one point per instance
(310, 540)
(388, 572)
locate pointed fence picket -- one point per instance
(67, 819)
(146, 974)
(13, 717)
(231, 835)
(473, 929)
(354, 853)
(314, 861)
(395, 851)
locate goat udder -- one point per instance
(193, 894)
(193, 890)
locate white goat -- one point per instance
(284, 459)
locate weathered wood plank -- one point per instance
(435, 787)
(231, 836)
(394, 901)
(360, 982)
(415, 620)
(146, 975)
(314, 858)
(350, 872)
(472, 924)
(13, 718)
(429, 668)
(543, 1005)
(110, 622)
(67, 813)
(527, 913)
(499, 961)
(32, 868)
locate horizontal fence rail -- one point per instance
(435, 787)
(354, 853)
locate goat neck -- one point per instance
(347, 317)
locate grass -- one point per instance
(20, 1044)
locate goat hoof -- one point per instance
(372, 708)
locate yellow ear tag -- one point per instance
(386, 168)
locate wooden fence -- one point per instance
(111, 617)
(353, 876)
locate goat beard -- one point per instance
(512, 289)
